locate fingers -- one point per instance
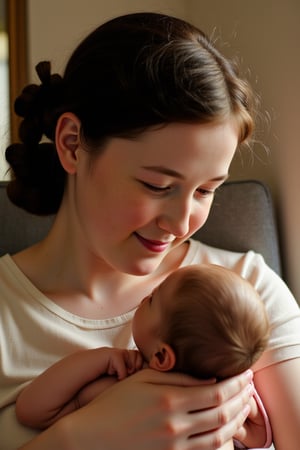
(218, 437)
(221, 392)
(205, 393)
(168, 410)
(205, 416)
(124, 362)
(213, 418)
(134, 361)
(208, 429)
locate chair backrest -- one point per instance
(19, 229)
(241, 218)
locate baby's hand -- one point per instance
(123, 362)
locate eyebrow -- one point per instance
(173, 173)
(164, 170)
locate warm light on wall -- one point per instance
(4, 101)
(3, 46)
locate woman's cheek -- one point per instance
(141, 213)
(199, 217)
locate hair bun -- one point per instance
(38, 105)
(43, 69)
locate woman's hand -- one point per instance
(151, 409)
(253, 432)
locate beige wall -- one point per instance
(265, 34)
(56, 26)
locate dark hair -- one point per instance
(131, 73)
(216, 323)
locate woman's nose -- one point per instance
(175, 218)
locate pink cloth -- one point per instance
(268, 429)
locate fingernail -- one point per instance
(250, 389)
(249, 374)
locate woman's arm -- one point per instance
(71, 383)
(278, 387)
(152, 409)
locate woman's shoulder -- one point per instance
(249, 265)
(13, 283)
(200, 253)
(7, 268)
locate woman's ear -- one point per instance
(164, 359)
(67, 139)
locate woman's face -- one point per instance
(143, 197)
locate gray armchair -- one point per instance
(242, 218)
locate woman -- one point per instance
(145, 121)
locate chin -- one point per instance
(143, 268)
(138, 265)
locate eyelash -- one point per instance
(154, 188)
(205, 192)
(158, 189)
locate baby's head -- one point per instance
(204, 320)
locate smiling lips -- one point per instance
(152, 245)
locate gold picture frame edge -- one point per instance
(17, 48)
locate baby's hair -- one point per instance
(134, 72)
(217, 324)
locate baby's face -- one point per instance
(146, 323)
(150, 319)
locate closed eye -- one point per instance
(155, 188)
(205, 192)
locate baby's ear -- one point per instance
(164, 359)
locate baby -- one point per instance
(203, 320)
